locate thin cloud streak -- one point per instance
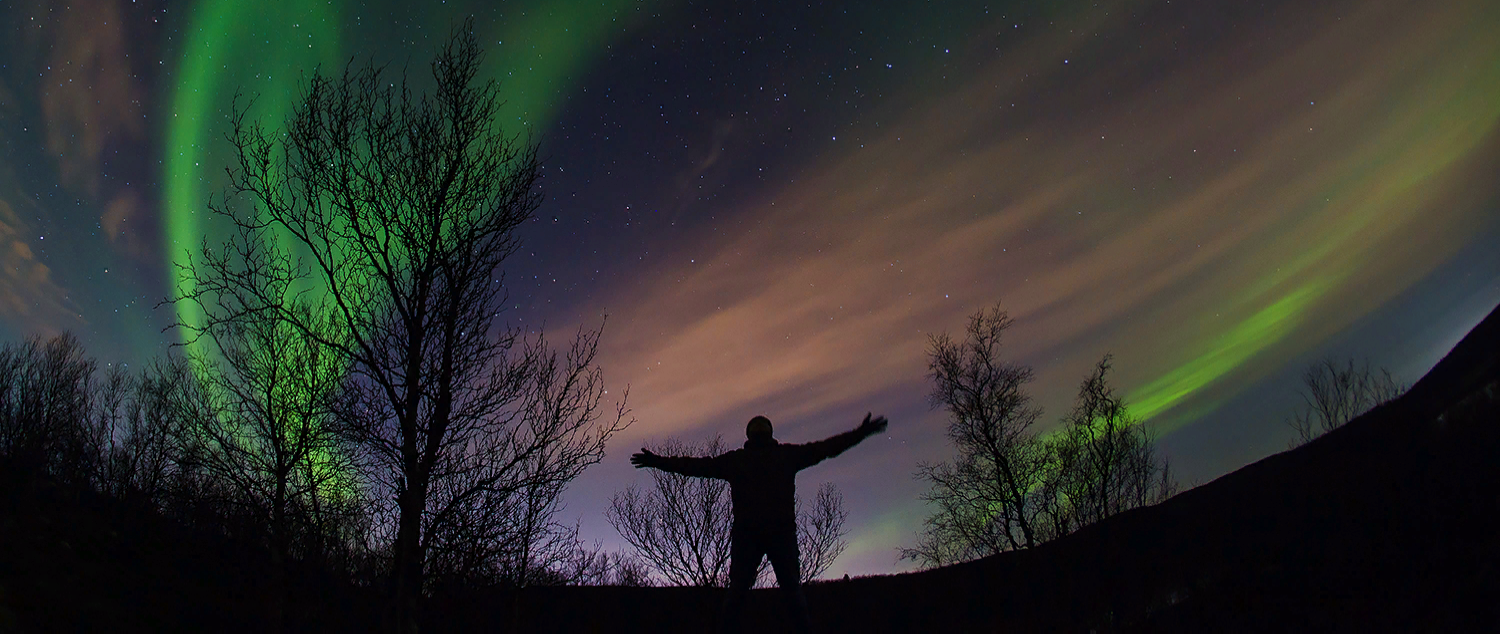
(31, 301)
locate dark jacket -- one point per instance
(763, 477)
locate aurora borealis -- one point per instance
(776, 203)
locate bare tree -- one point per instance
(493, 508)
(681, 526)
(268, 428)
(820, 530)
(112, 400)
(117, 434)
(260, 415)
(394, 214)
(1105, 460)
(46, 390)
(628, 570)
(594, 567)
(1334, 394)
(140, 431)
(989, 498)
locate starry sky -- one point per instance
(777, 203)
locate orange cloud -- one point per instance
(122, 223)
(88, 94)
(30, 300)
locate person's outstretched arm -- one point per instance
(815, 452)
(696, 467)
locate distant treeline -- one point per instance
(178, 441)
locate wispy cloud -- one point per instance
(89, 95)
(30, 301)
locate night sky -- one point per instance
(777, 203)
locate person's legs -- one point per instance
(744, 558)
(784, 558)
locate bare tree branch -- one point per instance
(1334, 394)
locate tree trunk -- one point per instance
(279, 548)
(406, 573)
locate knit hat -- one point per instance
(759, 426)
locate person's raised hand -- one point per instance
(873, 426)
(644, 459)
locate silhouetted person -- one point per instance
(763, 485)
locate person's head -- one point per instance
(759, 427)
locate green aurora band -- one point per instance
(1446, 118)
(265, 49)
(224, 34)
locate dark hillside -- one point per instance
(1385, 524)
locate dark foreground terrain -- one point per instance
(1386, 524)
